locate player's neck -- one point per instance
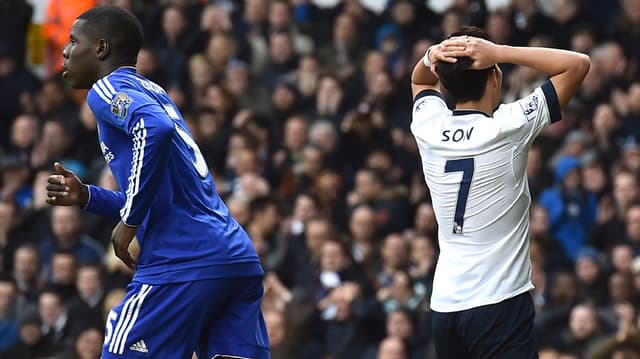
(483, 105)
(106, 69)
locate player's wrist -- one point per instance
(425, 59)
(84, 196)
(501, 53)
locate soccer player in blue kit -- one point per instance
(198, 281)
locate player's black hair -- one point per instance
(118, 26)
(462, 83)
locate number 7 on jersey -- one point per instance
(466, 166)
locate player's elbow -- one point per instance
(582, 64)
(165, 129)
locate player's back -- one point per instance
(475, 168)
(188, 232)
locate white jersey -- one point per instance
(475, 168)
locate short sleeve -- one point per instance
(427, 105)
(118, 108)
(528, 116)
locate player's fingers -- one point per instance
(57, 194)
(455, 41)
(57, 187)
(448, 48)
(55, 179)
(450, 59)
(51, 200)
(61, 170)
(457, 53)
(126, 259)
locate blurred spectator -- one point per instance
(344, 54)
(67, 235)
(8, 316)
(63, 274)
(571, 209)
(26, 271)
(392, 348)
(58, 325)
(17, 87)
(15, 17)
(33, 343)
(391, 212)
(91, 294)
(59, 17)
(591, 276)
(8, 240)
(87, 345)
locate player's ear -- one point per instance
(493, 78)
(103, 49)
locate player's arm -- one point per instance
(423, 76)
(104, 202)
(566, 69)
(152, 132)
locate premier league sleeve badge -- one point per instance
(120, 105)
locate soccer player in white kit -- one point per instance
(474, 161)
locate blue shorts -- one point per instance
(213, 317)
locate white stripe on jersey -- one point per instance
(121, 317)
(143, 294)
(139, 142)
(99, 92)
(105, 89)
(106, 82)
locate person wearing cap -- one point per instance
(572, 209)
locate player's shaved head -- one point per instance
(120, 28)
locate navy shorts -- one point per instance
(213, 317)
(498, 331)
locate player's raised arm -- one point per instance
(566, 69)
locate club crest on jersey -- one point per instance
(528, 108)
(420, 105)
(120, 104)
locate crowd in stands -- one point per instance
(302, 110)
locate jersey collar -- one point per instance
(124, 68)
(469, 112)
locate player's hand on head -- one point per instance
(442, 52)
(65, 188)
(121, 237)
(482, 52)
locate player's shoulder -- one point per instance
(426, 97)
(112, 95)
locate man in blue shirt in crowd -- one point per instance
(198, 281)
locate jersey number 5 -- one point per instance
(198, 160)
(466, 166)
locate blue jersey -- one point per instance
(185, 231)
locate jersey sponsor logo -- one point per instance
(139, 346)
(529, 107)
(120, 105)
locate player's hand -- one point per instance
(65, 188)
(121, 237)
(443, 52)
(484, 53)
